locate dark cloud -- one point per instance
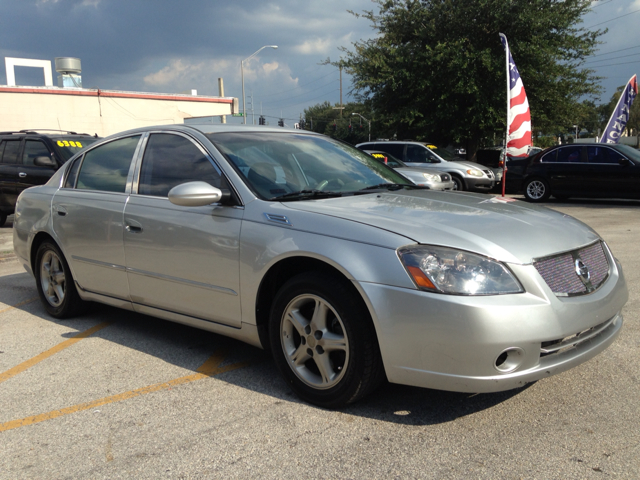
(170, 46)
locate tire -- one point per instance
(329, 359)
(536, 190)
(458, 184)
(56, 287)
(3, 219)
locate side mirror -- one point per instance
(195, 194)
(45, 162)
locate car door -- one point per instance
(30, 174)
(181, 259)
(87, 215)
(9, 164)
(566, 169)
(420, 156)
(611, 174)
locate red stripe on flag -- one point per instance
(520, 142)
(519, 100)
(519, 120)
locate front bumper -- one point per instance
(451, 342)
(479, 184)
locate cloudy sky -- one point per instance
(174, 46)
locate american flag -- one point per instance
(518, 114)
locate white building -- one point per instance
(96, 111)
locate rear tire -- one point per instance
(536, 190)
(323, 340)
(56, 287)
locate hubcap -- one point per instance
(314, 341)
(52, 278)
(536, 190)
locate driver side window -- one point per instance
(170, 160)
(416, 153)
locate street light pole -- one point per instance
(368, 121)
(244, 104)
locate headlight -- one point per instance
(446, 270)
(431, 176)
(474, 172)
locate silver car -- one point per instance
(302, 245)
(434, 179)
(465, 175)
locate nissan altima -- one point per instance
(309, 248)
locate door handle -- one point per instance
(22, 174)
(132, 226)
(60, 210)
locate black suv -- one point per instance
(31, 157)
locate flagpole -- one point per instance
(506, 136)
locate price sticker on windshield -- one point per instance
(69, 143)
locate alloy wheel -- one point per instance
(52, 278)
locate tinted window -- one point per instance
(107, 166)
(549, 157)
(395, 149)
(569, 155)
(33, 149)
(73, 173)
(417, 153)
(11, 149)
(170, 160)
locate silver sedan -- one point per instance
(434, 179)
(307, 247)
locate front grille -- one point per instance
(489, 173)
(562, 344)
(560, 272)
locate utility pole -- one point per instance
(223, 118)
(341, 107)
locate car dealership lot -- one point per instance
(134, 396)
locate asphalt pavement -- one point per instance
(113, 394)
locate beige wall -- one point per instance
(102, 112)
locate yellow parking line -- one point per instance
(19, 304)
(208, 369)
(12, 372)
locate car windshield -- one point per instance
(70, 145)
(283, 164)
(630, 152)
(442, 153)
(388, 159)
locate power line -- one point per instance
(613, 58)
(613, 64)
(299, 86)
(612, 19)
(302, 94)
(601, 4)
(614, 51)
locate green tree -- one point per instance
(327, 119)
(436, 68)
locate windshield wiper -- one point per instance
(307, 194)
(392, 186)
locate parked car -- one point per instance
(307, 247)
(434, 179)
(465, 175)
(583, 170)
(29, 158)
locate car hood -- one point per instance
(510, 231)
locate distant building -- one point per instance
(96, 111)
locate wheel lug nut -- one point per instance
(307, 329)
(303, 340)
(320, 350)
(310, 352)
(318, 334)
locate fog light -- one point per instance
(509, 360)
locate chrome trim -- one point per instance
(98, 263)
(578, 338)
(280, 219)
(183, 281)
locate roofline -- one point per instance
(96, 92)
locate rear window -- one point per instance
(69, 146)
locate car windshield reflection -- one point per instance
(281, 165)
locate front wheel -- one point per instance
(323, 340)
(536, 190)
(55, 284)
(458, 184)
